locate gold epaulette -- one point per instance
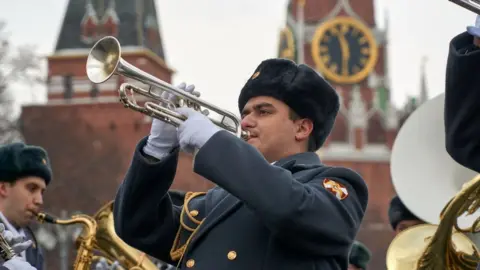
(177, 251)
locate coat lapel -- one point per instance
(223, 209)
(229, 204)
(31, 252)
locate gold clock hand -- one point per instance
(345, 52)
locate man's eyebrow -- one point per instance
(263, 105)
(258, 107)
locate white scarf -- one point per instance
(14, 231)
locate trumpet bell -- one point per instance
(424, 175)
(407, 248)
(103, 59)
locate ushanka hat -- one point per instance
(398, 212)
(359, 255)
(19, 160)
(301, 88)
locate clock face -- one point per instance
(344, 50)
(287, 44)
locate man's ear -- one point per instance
(4, 188)
(304, 129)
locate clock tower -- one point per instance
(341, 40)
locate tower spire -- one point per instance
(423, 81)
(87, 21)
(385, 50)
(301, 31)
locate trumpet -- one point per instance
(6, 251)
(105, 60)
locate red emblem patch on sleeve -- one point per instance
(337, 189)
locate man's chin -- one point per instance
(253, 142)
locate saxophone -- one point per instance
(99, 240)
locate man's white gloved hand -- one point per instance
(195, 131)
(474, 30)
(163, 136)
(17, 242)
(17, 263)
(102, 264)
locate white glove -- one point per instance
(102, 264)
(163, 136)
(17, 242)
(195, 131)
(474, 30)
(17, 263)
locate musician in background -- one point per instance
(24, 175)
(400, 217)
(275, 206)
(462, 98)
(359, 257)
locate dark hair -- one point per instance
(311, 146)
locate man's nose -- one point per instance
(38, 200)
(247, 122)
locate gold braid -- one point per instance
(177, 253)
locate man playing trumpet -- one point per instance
(275, 206)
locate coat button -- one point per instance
(232, 255)
(194, 213)
(190, 263)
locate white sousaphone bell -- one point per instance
(426, 179)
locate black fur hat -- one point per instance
(19, 160)
(398, 212)
(298, 86)
(359, 255)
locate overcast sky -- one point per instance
(232, 37)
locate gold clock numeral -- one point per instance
(334, 31)
(344, 28)
(365, 51)
(355, 32)
(356, 69)
(326, 38)
(323, 49)
(363, 60)
(362, 40)
(326, 58)
(333, 67)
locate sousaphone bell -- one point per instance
(436, 189)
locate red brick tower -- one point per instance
(88, 133)
(341, 40)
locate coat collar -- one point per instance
(299, 161)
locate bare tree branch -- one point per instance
(17, 64)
